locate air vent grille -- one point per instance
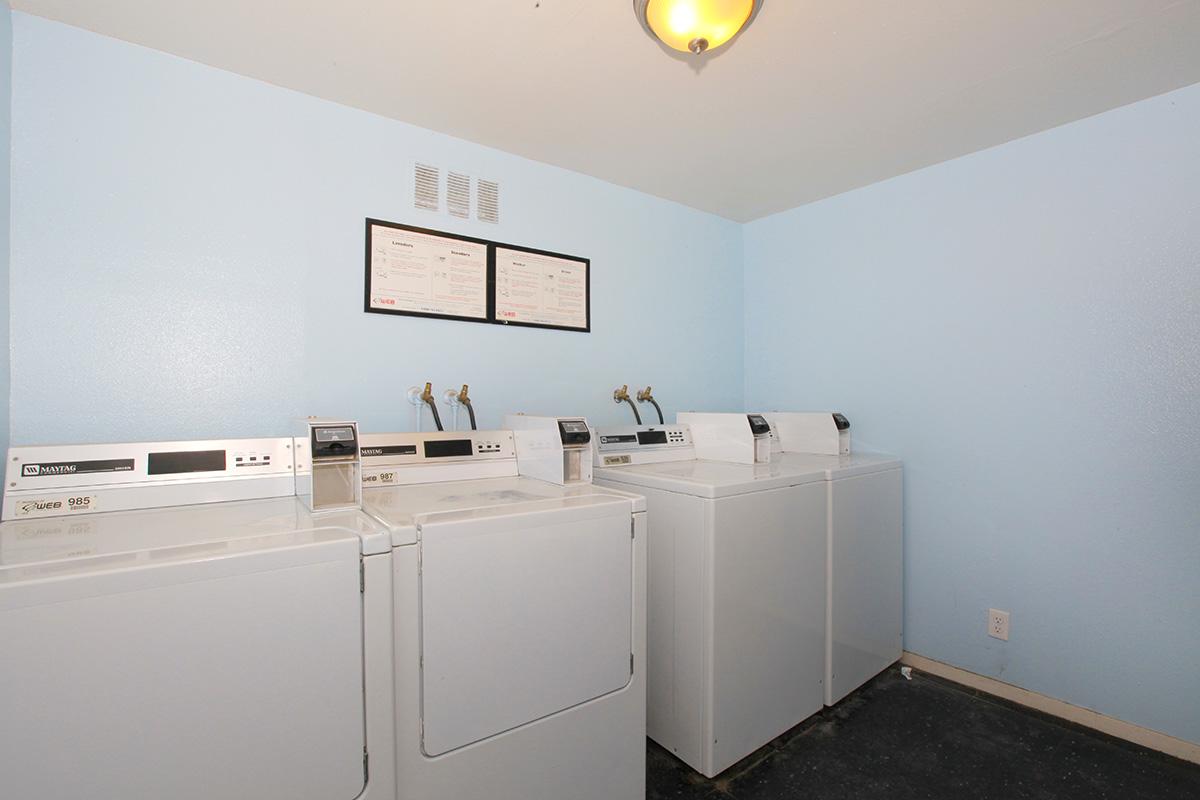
(489, 201)
(426, 180)
(458, 195)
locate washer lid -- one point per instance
(49, 546)
(711, 478)
(841, 466)
(402, 508)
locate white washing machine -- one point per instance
(864, 606)
(736, 585)
(176, 623)
(519, 623)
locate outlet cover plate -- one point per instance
(997, 624)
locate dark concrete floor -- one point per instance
(927, 738)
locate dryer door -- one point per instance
(524, 612)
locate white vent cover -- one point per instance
(426, 194)
(458, 195)
(488, 209)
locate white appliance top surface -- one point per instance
(53, 546)
(841, 466)
(402, 507)
(712, 478)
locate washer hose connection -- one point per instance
(427, 398)
(644, 396)
(466, 401)
(622, 396)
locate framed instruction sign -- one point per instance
(540, 289)
(418, 272)
(424, 273)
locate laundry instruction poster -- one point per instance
(541, 289)
(410, 271)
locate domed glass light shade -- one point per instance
(695, 26)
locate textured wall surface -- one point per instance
(1022, 325)
(1019, 325)
(5, 159)
(188, 261)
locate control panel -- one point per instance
(71, 480)
(619, 446)
(406, 458)
(33, 468)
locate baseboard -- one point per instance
(1058, 708)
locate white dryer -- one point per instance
(519, 623)
(864, 610)
(175, 623)
(864, 606)
(736, 585)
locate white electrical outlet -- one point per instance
(997, 624)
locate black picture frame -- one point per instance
(491, 246)
(489, 313)
(587, 288)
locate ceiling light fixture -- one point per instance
(695, 26)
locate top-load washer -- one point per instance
(175, 623)
(736, 587)
(519, 623)
(864, 609)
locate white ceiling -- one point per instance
(814, 99)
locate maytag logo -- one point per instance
(34, 470)
(388, 450)
(77, 467)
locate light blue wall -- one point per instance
(188, 261)
(5, 157)
(1022, 325)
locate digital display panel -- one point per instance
(573, 427)
(652, 437)
(187, 461)
(345, 434)
(447, 448)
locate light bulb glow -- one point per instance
(682, 19)
(680, 22)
